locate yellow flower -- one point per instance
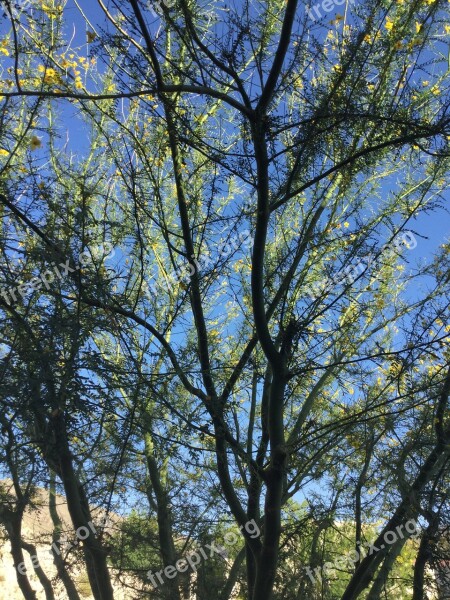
(346, 224)
(52, 13)
(51, 76)
(4, 51)
(447, 28)
(35, 143)
(389, 25)
(425, 83)
(3, 152)
(418, 27)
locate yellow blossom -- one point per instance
(3, 152)
(52, 13)
(389, 25)
(51, 76)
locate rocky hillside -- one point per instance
(37, 530)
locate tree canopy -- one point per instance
(225, 291)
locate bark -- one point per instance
(268, 558)
(422, 558)
(69, 585)
(376, 590)
(80, 514)
(358, 492)
(406, 510)
(255, 484)
(409, 507)
(43, 579)
(233, 575)
(13, 525)
(165, 531)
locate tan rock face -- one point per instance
(37, 529)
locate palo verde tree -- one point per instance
(265, 330)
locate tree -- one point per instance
(251, 159)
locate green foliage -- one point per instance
(298, 378)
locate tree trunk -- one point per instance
(80, 514)
(422, 558)
(233, 575)
(13, 525)
(376, 591)
(268, 558)
(69, 585)
(165, 533)
(368, 566)
(43, 579)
